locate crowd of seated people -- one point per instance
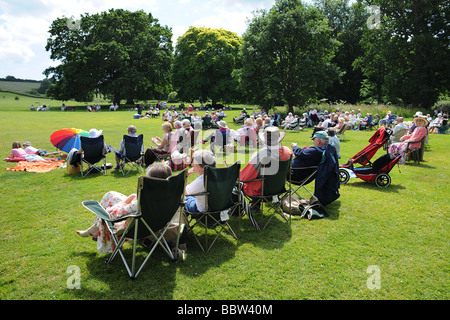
(439, 124)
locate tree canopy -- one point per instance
(287, 55)
(204, 62)
(406, 57)
(291, 54)
(120, 54)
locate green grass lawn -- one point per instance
(403, 230)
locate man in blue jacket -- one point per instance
(324, 157)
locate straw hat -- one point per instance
(271, 136)
(421, 118)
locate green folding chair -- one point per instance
(134, 153)
(275, 188)
(159, 202)
(92, 154)
(219, 204)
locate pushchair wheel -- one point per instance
(383, 180)
(344, 176)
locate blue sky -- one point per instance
(24, 24)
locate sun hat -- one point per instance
(418, 114)
(421, 118)
(222, 124)
(94, 133)
(271, 136)
(320, 135)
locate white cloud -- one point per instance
(24, 24)
(229, 20)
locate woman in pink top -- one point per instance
(418, 134)
(17, 151)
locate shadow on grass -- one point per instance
(420, 165)
(157, 280)
(358, 183)
(111, 172)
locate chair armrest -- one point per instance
(304, 168)
(198, 194)
(130, 215)
(96, 208)
(252, 180)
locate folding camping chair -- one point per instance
(273, 189)
(341, 132)
(302, 176)
(416, 154)
(219, 204)
(160, 201)
(308, 174)
(133, 153)
(93, 153)
(207, 122)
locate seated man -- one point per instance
(121, 153)
(323, 155)
(272, 138)
(308, 156)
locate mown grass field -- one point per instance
(402, 230)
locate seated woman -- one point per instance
(221, 137)
(201, 158)
(118, 205)
(366, 122)
(164, 146)
(418, 134)
(435, 123)
(17, 151)
(443, 125)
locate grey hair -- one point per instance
(204, 158)
(159, 170)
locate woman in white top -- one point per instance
(201, 158)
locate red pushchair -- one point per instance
(378, 171)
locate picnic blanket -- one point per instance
(36, 166)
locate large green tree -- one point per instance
(120, 54)
(204, 62)
(346, 20)
(287, 55)
(406, 56)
